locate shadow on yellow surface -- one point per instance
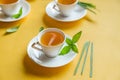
(63, 25)
(35, 69)
(87, 18)
(7, 25)
(11, 24)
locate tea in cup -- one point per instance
(51, 40)
(65, 7)
(66, 2)
(10, 7)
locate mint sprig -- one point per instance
(88, 6)
(71, 44)
(18, 14)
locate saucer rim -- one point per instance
(25, 14)
(38, 61)
(61, 20)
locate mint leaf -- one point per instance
(41, 28)
(65, 50)
(69, 41)
(11, 30)
(74, 48)
(18, 14)
(76, 37)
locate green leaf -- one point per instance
(71, 44)
(87, 6)
(76, 37)
(18, 14)
(69, 41)
(41, 28)
(11, 30)
(65, 50)
(74, 48)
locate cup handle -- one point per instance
(35, 47)
(55, 7)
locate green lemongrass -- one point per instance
(88, 6)
(85, 58)
(91, 61)
(78, 64)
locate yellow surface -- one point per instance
(103, 29)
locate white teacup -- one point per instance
(50, 40)
(65, 7)
(10, 7)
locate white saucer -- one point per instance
(26, 10)
(77, 14)
(41, 59)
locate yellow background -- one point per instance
(103, 29)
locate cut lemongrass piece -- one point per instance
(91, 61)
(85, 58)
(78, 64)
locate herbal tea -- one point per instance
(66, 1)
(7, 1)
(52, 38)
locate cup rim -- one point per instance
(50, 29)
(12, 3)
(56, 1)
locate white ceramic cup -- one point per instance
(11, 8)
(52, 50)
(64, 9)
